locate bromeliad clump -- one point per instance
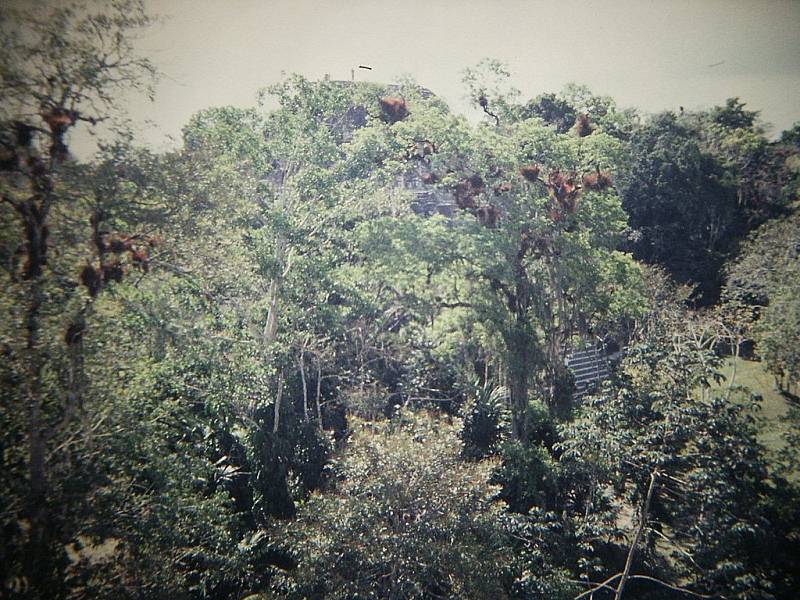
(115, 267)
(430, 178)
(393, 109)
(583, 126)
(564, 192)
(467, 189)
(530, 172)
(502, 188)
(92, 279)
(488, 215)
(598, 181)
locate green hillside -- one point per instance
(774, 408)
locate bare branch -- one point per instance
(637, 538)
(603, 585)
(677, 588)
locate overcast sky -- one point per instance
(651, 55)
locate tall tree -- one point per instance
(664, 440)
(390, 529)
(537, 220)
(61, 67)
(766, 277)
(683, 211)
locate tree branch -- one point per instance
(599, 586)
(637, 538)
(677, 588)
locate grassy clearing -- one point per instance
(774, 408)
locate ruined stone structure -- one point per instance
(590, 364)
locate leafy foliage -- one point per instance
(318, 350)
(660, 422)
(766, 276)
(408, 519)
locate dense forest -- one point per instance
(322, 349)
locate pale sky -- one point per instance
(653, 55)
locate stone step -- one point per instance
(589, 368)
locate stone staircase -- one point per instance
(590, 367)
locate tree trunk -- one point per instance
(37, 439)
(319, 391)
(302, 363)
(519, 346)
(273, 292)
(271, 326)
(518, 372)
(638, 537)
(278, 397)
